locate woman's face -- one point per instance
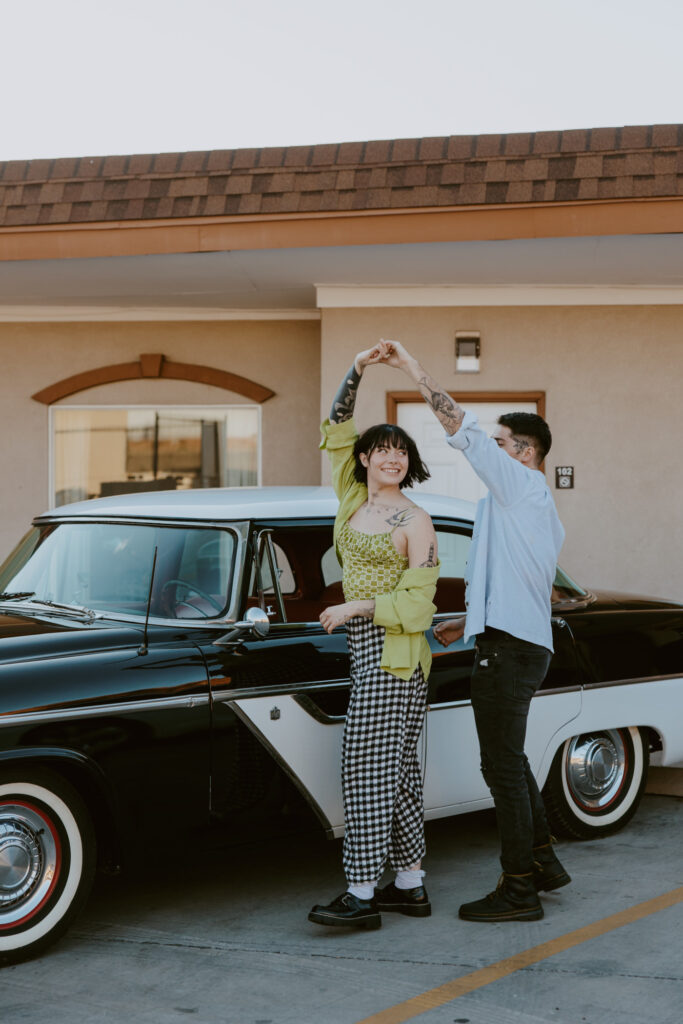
(386, 465)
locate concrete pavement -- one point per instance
(220, 936)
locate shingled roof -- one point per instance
(460, 170)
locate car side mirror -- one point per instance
(255, 622)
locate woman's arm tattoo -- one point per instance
(445, 408)
(431, 562)
(344, 401)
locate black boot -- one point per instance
(515, 899)
(347, 911)
(548, 872)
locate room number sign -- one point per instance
(564, 476)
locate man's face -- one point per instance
(516, 447)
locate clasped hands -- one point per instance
(449, 631)
(392, 353)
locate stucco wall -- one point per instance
(282, 355)
(612, 378)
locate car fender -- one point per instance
(654, 702)
(86, 776)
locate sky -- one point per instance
(94, 77)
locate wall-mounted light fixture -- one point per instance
(467, 351)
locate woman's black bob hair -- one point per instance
(393, 437)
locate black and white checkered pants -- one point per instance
(381, 778)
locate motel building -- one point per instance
(183, 320)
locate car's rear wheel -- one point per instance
(596, 782)
(47, 860)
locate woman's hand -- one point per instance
(449, 631)
(370, 355)
(339, 614)
(336, 615)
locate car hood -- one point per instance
(609, 600)
(23, 635)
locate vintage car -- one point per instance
(162, 667)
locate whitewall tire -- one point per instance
(596, 781)
(47, 859)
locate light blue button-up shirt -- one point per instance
(517, 538)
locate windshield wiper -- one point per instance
(16, 595)
(75, 609)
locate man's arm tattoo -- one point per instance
(344, 401)
(445, 408)
(430, 563)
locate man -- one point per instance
(509, 576)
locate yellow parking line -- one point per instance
(470, 982)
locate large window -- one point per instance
(102, 451)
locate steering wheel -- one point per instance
(191, 589)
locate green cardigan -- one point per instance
(408, 610)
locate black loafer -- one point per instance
(347, 911)
(412, 902)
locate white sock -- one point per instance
(409, 879)
(362, 890)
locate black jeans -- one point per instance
(507, 672)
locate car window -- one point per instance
(330, 567)
(565, 589)
(287, 581)
(454, 546)
(107, 567)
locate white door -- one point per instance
(452, 474)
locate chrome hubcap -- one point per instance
(596, 768)
(28, 861)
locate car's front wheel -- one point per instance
(596, 782)
(47, 860)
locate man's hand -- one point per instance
(449, 631)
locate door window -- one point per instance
(454, 546)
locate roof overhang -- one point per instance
(297, 283)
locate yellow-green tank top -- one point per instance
(371, 564)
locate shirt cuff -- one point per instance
(460, 439)
(338, 435)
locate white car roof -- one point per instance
(238, 503)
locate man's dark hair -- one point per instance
(393, 437)
(529, 426)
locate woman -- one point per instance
(387, 547)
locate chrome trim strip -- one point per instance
(629, 682)
(7, 719)
(300, 690)
(246, 721)
(283, 689)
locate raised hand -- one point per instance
(368, 356)
(394, 353)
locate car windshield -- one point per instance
(107, 567)
(565, 589)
